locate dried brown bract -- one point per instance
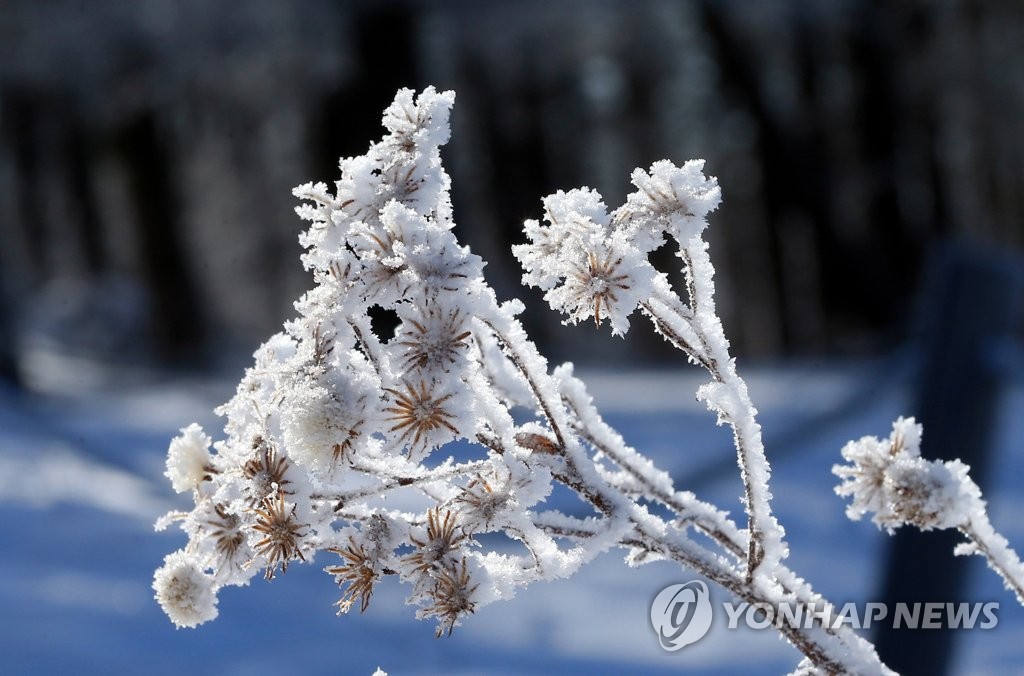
(357, 572)
(417, 412)
(441, 541)
(265, 471)
(451, 597)
(276, 520)
(538, 443)
(323, 346)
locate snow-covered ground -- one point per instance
(81, 484)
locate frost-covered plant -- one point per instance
(396, 455)
(889, 478)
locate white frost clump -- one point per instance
(676, 199)
(889, 478)
(186, 594)
(593, 264)
(188, 458)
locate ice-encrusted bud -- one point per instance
(188, 459)
(185, 593)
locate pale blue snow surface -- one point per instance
(81, 484)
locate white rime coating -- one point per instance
(188, 458)
(186, 594)
(391, 455)
(890, 480)
(595, 264)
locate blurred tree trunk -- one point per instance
(177, 309)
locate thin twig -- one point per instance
(394, 482)
(988, 547)
(517, 361)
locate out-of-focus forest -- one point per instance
(148, 151)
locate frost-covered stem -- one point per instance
(735, 408)
(823, 646)
(830, 653)
(547, 407)
(1001, 558)
(674, 328)
(704, 516)
(817, 646)
(394, 482)
(813, 643)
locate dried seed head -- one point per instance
(600, 280)
(280, 544)
(440, 543)
(225, 529)
(483, 501)
(435, 340)
(418, 413)
(265, 471)
(188, 459)
(357, 572)
(451, 597)
(185, 593)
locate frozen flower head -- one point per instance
(423, 122)
(571, 219)
(594, 264)
(432, 339)
(871, 458)
(424, 415)
(888, 478)
(588, 269)
(605, 280)
(323, 426)
(280, 535)
(188, 459)
(923, 494)
(186, 594)
(671, 199)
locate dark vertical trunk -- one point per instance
(78, 155)
(21, 118)
(177, 310)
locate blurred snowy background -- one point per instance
(148, 245)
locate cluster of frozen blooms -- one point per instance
(339, 439)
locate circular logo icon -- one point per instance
(681, 614)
